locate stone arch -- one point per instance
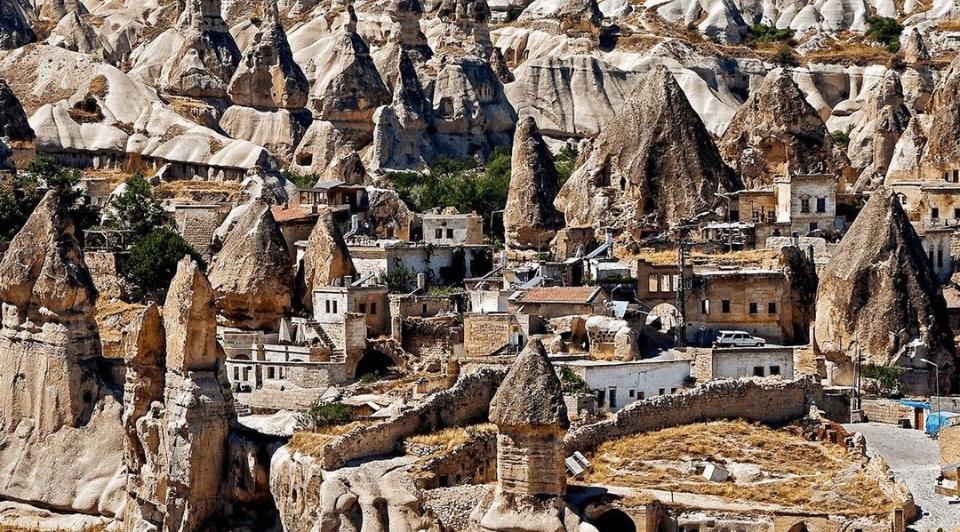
(614, 520)
(668, 315)
(374, 361)
(799, 526)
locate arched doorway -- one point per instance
(667, 315)
(615, 520)
(373, 363)
(799, 526)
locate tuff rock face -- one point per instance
(874, 138)
(252, 272)
(15, 130)
(54, 401)
(76, 34)
(350, 88)
(400, 137)
(179, 445)
(54, 10)
(530, 218)
(208, 56)
(942, 151)
(776, 132)
(654, 165)
(879, 290)
(15, 31)
(327, 258)
(268, 77)
(531, 394)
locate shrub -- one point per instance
(573, 383)
(785, 56)
(300, 179)
(565, 162)
(841, 138)
(886, 31)
(86, 110)
(324, 415)
(400, 279)
(886, 376)
(152, 262)
(763, 33)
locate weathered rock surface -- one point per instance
(75, 33)
(348, 87)
(15, 130)
(268, 77)
(530, 218)
(654, 165)
(880, 291)
(776, 133)
(327, 258)
(207, 55)
(60, 430)
(400, 137)
(942, 151)
(874, 138)
(15, 30)
(252, 272)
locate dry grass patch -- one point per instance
(796, 472)
(747, 257)
(450, 437)
(312, 443)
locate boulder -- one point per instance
(878, 290)
(776, 133)
(529, 218)
(15, 30)
(326, 259)
(653, 166)
(189, 320)
(252, 272)
(268, 77)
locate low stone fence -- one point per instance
(770, 401)
(467, 401)
(878, 410)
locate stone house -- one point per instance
(296, 223)
(485, 334)
(441, 264)
(618, 384)
(332, 303)
(933, 209)
(452, 229)
(752, 362)
(196, 223)
(337, 195)
(536, 306)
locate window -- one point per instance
(236, 373)
(633, 393)
(438, 233)
(450, 233)
(758, 371)
(821, 204)
(725, 306)
(373, 309)
(774, 370)
(956, 176)
(653, 284)
(934, 213)
(930, 256)
(804, 204)
(772, 307)
(664, 283)
(601, 398)
(956, 213)
(334, 307)
(424, 309)
(663, 391)
(676, 283)
(939, 258)
(271, 372)
(673, 390)
(327, 306)
(903, 199)
(704, 306)
(612, 393)
(753, 308)
(640, 396)
(363, 308)
(814, 226)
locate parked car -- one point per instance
(738, 339)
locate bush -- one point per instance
(399, 280)
(152, 262)
(573, 383)
(27, 188)
(841, 138)
(135, 209)
(785, 56)
(764, 33)
(300, 179)
(886, 31)
(565, 162)
(324, 415)
(888, 377)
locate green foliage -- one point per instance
(886, 376)
(785, 56)
(841, 138)
(573, 383)
(399, 280)
(27, 188)
(463, 184)
(886, 31)
(136, 209)
(152, 262)
(764, 33)
(300, 179)
(444, 291)
(565, 162)
(324, 415)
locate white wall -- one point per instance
(644, 379)
(736, 363)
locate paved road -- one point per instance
(914, 459)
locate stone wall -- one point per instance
(770, 401)
(485, 333)
(886, 411)
(197, 223)
(468, 400)
(268, 400)
(103, 266)
(474, 462)
(949, 442)
(431, 337)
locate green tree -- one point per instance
(886, 31)
(324, 415)
(573, 383)
(152, 262)
(135, 209)
(565, 162)
(400, 279)
(300, 179)
(26, 189)
(764, 33)
(841, 138)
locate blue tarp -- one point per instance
(915, 404)
(937, 421)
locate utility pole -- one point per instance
(682, 247)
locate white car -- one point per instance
(738, 339)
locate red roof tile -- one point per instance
(560, 294)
